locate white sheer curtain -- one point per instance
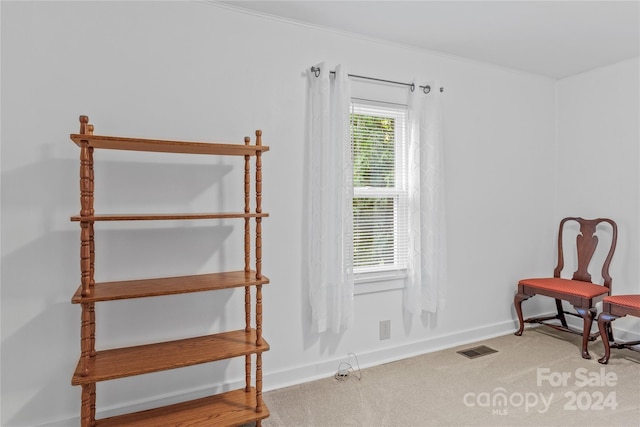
(427, 258)
(329, 178)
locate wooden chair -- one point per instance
(614, 307)
(580, 291)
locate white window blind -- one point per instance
(380, 202)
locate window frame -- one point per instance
(392, 276)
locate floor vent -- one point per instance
(474, 352)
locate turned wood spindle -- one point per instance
(85, 337)
(87, 268)
(247, 209)
(247, 259)
(88, 405)
(258, 315)
(258, 206)
(258, 382)
(247, 237)
(247, 373)
(87, 248)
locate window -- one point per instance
(380, 199)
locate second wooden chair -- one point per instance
(614, 307)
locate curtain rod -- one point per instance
(425, 89)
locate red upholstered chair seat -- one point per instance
(629, 301)
(573, 287)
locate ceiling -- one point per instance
(551, 38)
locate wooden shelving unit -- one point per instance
(232, 408)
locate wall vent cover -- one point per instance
(474, 352)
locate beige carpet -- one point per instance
(538, 379)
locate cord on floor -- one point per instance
(345, 369)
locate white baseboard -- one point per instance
(328, 367)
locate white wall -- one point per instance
(196, 71)
(598, 163)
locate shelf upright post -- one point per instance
(87, 266)
(258, 205)
(258, 271)
(259, 355)
(86, 208)
(247, 258)
(258, 238)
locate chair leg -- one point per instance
(561, 317)
(517, 302)
(610, 332)
(604, 326)
(587, 315)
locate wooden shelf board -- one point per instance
(145, 359)
(168, 216)
(111, 291)
(166, 146)
(233, 408)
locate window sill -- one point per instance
(366, 283)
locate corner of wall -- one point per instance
(556, 142)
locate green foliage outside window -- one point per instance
(373, 140)
(373, 146)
